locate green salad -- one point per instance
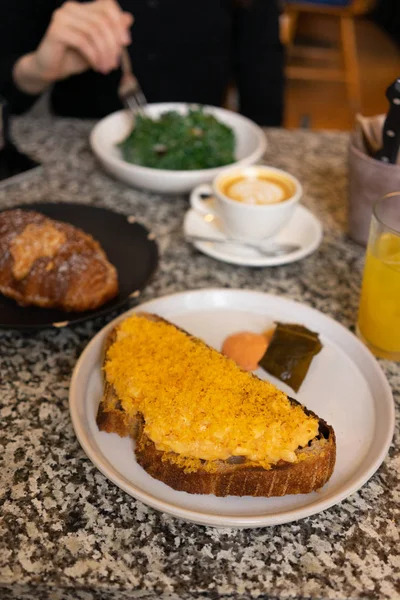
(196, 140)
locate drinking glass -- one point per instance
(379, 314)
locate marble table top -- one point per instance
(69, 533)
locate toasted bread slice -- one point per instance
(237, 475)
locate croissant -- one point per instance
(48, 263)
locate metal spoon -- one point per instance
(270, 250)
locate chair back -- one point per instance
(355, 7)
(360, 7)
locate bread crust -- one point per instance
(244, 479)
(229, 478)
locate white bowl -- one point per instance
(250, 146)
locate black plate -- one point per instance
(128, 247)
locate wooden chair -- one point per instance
(345, 55)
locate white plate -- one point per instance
(110, 131)
(345, 386)
(303, 229)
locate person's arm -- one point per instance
(258, 56)
(68, 41)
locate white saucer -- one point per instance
(303, 229)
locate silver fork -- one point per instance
(129, 90)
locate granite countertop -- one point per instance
(69, 533)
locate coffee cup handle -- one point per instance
(199, 197)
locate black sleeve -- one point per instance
(258, 60)
(22, 26)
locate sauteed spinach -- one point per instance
(196, 140)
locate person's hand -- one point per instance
(79, 36)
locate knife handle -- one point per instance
(391, 127)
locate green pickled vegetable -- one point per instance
(290, 352)
(196, 140)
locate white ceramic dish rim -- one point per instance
(120, 163)
(205, 518)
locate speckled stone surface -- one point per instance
(66, 531)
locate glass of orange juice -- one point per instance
(379, 314)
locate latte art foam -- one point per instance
(257, 190)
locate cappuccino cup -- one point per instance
(251, 203)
